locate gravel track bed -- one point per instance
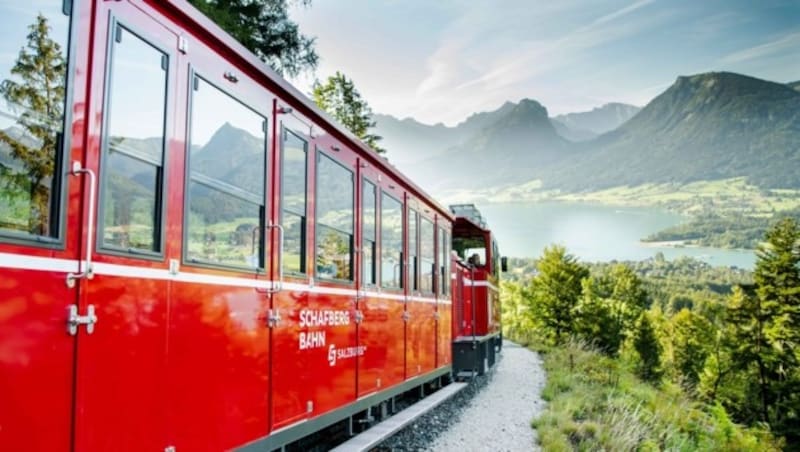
(494, 413)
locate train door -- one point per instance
(40, 213)
(293, 267)
(219, 319)
(381, 326)
(444, 302)
(421, 300)
(121, 398)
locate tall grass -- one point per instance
(597, 403)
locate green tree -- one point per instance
(555, 291)
(720, 381)
(594, 315)
(517, 322)
(752, 353)
(339, 97)
(610, 305)
(648, 349)
(692, 337)
(39, 95)
(263, 26)
(777, 279)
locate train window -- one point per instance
(133, 138)
(473, 249)
(334, 230)
(293, 199)
(427, 256)
(33, 92)
(391, 242)
(226, 180)
(413, 249)
(444, 262)
(368, 227)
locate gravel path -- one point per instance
(492, 415)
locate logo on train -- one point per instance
(338, 354)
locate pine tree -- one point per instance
(555, 291)
(263, 26)
(648, 348)
(39, 95)
(765, 333)
(752, 352)
(777, 279)
(339, 97)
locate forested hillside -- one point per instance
(704, 127)
(665, 354)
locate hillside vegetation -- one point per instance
(665, 355)
(704, 127)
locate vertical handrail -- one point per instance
(87, 271)
(360, 292)
(279, 287)
(472, 299)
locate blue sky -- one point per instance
(439, 61)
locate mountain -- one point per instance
(407, 140)
(232, 155)
(572, 134)
(478, 121)
(518, 137)
(704, 127)
(600, 120)
(795, 85)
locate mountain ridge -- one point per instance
(725, 124)
(705, 126)
(599, 120)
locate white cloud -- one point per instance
(485, 62)
(786, 43)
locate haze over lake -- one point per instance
(594, 232)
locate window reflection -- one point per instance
(227, 151)
(391, 242)
(413, 259)
(368, 212)
(427, 270)
(32, 88)
(133, 157)
(444, 262)
(334, 234)
(293, 199)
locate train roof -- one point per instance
(214, 32)
(468, 220)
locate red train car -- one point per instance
(477, 335)
(192, 255)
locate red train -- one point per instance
(194, 257)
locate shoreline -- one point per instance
(669, 244)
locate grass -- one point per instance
(597, 403)
(724, 196)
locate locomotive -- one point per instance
(193, 256)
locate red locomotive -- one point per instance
(195, 257)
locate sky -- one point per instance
(442, 60)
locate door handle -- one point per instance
(87, 271)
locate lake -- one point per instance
(594, 232)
